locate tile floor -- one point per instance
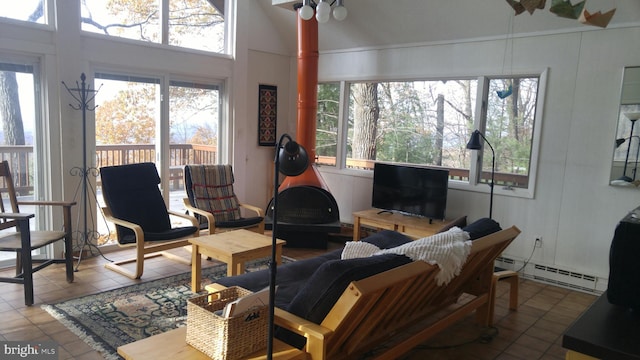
(532, 332)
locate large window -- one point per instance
(25, 10)
(193, 24)
(21, 117)
(429, 122)
(509, 127)
(327, 123)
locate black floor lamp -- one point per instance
(633, 117)
(290, 160)
(621, 141)
(475, 144)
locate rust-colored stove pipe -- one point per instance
(307, 102)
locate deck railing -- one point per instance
(179, 155)
(501, 178)
(21, 159)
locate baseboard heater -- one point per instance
(554, 275)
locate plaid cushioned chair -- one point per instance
(135, 205)
(211, 198)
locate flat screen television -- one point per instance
(412, 190)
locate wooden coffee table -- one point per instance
(232, 247)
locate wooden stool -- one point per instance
(512, 277)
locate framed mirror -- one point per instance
(625, 169)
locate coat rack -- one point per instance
(87, 238)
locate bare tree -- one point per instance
(365, 120)
(439, 129)
(12, 126)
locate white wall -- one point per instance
(574, 209)
(262, 59)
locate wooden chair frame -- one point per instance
(147, 249)
(211, 222)
(25, 240)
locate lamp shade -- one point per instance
(475, 143)
(293, 159)
(620, 142)
(633, 116)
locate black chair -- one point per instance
(23, 241)
(135, 205)
(210, 196)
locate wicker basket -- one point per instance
(225, 338)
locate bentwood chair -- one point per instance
(211, 197)
(135, 205)
(23, 241)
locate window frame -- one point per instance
(164, 31)
(41, 157)
(479, 122)
(48, 17)
(163, 117)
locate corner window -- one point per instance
(429, 122)
(509, 127)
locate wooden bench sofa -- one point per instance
(399, 308)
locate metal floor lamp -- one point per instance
(290, 160)
(475, 144)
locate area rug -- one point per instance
(116, 317)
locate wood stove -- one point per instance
(306, 216)
(307, 212)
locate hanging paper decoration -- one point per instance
(529, 5)
(563, 8)
(504, 93)
(596, 19)
(517, 6)
(532, 5)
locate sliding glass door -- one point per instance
(134, 125)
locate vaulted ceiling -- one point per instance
(372, 23)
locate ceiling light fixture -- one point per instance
(306, 11)
(340, 12)
(322, 10)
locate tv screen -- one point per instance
(413, 190)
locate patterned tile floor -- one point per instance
(532, 332)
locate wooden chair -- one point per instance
(135, 205)
(402, 307)
(23, 241)
(210, 196)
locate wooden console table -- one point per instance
(410, 225)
